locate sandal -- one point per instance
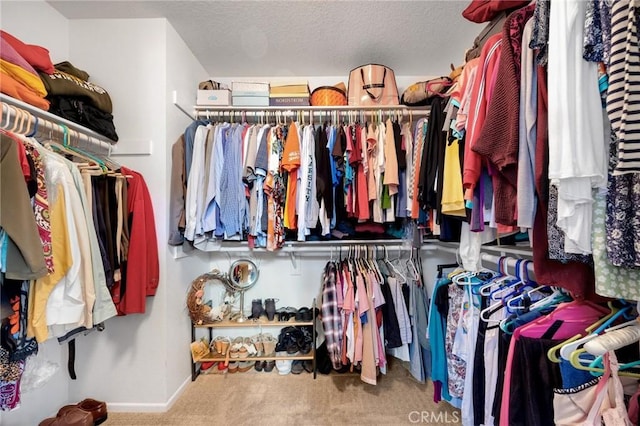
(222, 344)
(233, 367)
(257, 343)
(269, 344)
(236, 348)
(247, 349)
(244, 366)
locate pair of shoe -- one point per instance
(285, 314)
(304, 314)
(88, 412)
(298, 366)
(242, 347)
(264, 343)
(283, 365)
(269, 309)
(294, 340)
(266, 366)
(213, 367)
(240, 366)
(220, 345)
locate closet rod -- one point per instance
(415, 110)
(91, 140)
(315, 111)
(313, 246)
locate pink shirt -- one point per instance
(576, 317)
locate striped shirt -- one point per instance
(331, 316)
(623, 97)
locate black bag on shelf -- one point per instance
(81, 112)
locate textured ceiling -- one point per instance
(304, 38)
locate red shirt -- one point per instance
(143, 270)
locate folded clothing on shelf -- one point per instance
(77, 110)
(68, 80)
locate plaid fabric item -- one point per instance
(331, 318)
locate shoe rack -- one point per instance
(252, 324)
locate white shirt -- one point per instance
(577, 150)
(194, 185)
(66, 303)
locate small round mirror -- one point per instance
(243, 274)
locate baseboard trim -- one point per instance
(131, 407)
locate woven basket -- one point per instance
(198, 311)
(328, 96)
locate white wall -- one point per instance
(183, 72)
(127, 56)
(36, 22)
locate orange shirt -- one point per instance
(291, 163)
(15, 89)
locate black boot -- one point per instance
(270, 308)
(256, 308)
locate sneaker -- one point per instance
(205, 367)
(297, 367)
(283, 365)
(308, 366)
(244, 366)
(269, 366)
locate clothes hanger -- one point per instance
(18, 120)
(67, 149)
(568, 349)
(527, 296)
(412, 269)
(485, 290)
(513, 283)
(580, 364)
(34, 131)
(5, 116)
(486, 313)
(613, 340)
(396, 272)
(553, 353)
(598, 363)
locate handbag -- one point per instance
(372, 85)
(420, 93)
(593, 404)
(329, 96)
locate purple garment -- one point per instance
(9, 54)
(482, 199)
(401, 198)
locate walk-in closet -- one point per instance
(319, 213)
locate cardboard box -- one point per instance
(289, 101)
(214, 97)
(244, 88)
(250, 100)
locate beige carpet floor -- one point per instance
(257, 399)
